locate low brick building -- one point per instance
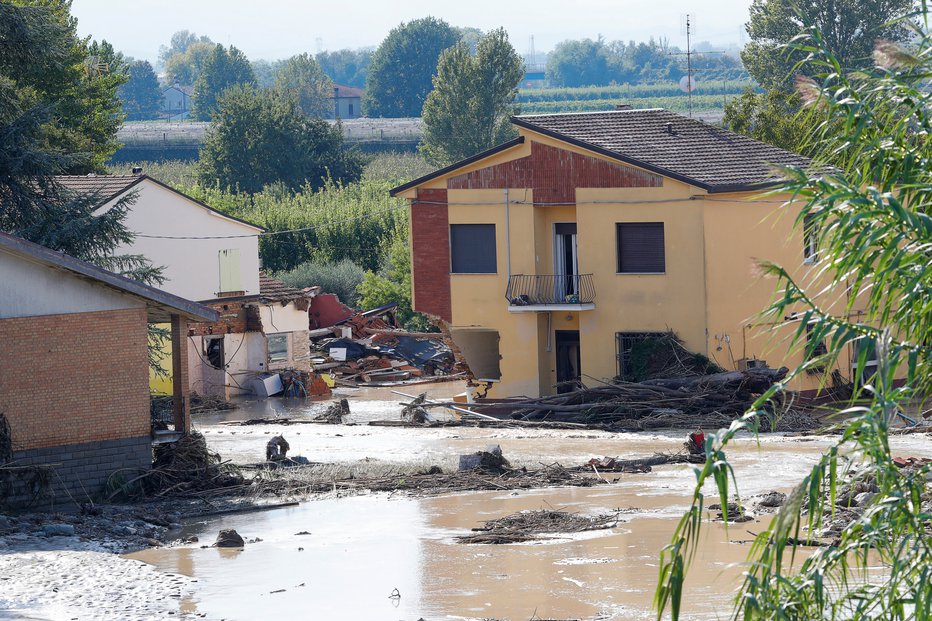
(74, 377)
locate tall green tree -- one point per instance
(775, 117)
(402, 68)
(847, 28)
(183, 68)
(347, 67)
(869, 215)
(141, 94)
(579, 63)
(265, 71)
(470, 107)
(222, 69)
(180, 42)
(303, 76)
(74, 79)
(263, 137)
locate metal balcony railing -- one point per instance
(540, 289)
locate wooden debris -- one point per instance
(528, 525)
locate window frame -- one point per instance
(618, 266)
(622, 355)
(268, 347)
(810, 240)
(494, 252)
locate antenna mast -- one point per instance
(689, 69)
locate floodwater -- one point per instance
(361, 550)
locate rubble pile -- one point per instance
(708, 401)
(530, 525)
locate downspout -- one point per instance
(507, 237)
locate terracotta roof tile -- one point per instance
(274, 289)
(105, 186)
(671, 144)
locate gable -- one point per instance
(554, 174)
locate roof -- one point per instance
(187, 90)
(108, 187)
(274, 289)
(348, 91)
(161, 305)
(670, 144)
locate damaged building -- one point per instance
(553, 255)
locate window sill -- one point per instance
(640, 273)
(473, 273)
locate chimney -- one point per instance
(669, 128)
(137, 170)
(623, 107)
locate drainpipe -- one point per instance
(507, 237)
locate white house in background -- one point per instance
(213, 258)
(347, 102)
(173, 230)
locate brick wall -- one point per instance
(76, 378)
(430, 253)
(236, 317)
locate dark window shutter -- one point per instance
(472, 249)
(640, 247)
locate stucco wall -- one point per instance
(191, 266)
(30, 289)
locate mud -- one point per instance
(352, 554)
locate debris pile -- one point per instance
(181, 468)
(229, 538)
(160, 408)
(529, 525)
(370, 348)
(336, 413)
(709, 401)
(614, 464)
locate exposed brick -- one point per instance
(74, 378)
(430, 249)
(554, 174)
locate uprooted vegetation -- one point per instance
(534, 525)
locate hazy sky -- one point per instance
(280, 28)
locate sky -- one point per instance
(273, 29)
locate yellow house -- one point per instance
(551, 255)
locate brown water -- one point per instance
(361, 549)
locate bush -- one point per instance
(342, 278)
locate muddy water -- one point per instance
(362, 549)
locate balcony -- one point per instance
(529, 293)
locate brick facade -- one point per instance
(76, 378)
(236, 317)
(554, 174)
(430, 253)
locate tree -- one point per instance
(141, 94)
(347, 67)
(303, 76)
(262, 137)
(222, 69)
(265, 71)
(470, 107)
(76, 81)
(847, 28)
(869, 217)
(184, 68)
(392, 283)
(775, 117)
(403, 67)
(181, 41)
(579, 63)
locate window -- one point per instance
(628, 345)
(350, 111)
(810, 240)
(278, 347)
(213, 351)
(472, 249)
(230, 271)
(640, 248)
